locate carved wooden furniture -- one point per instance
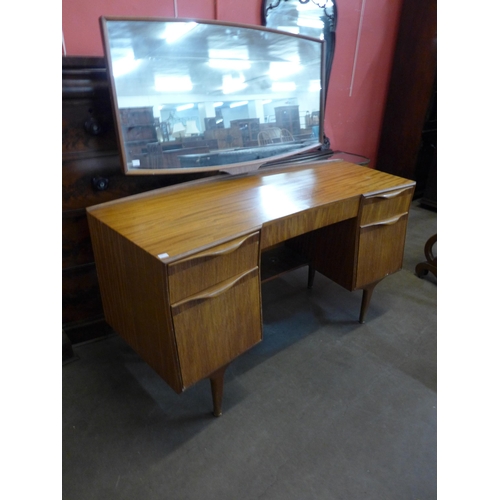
(180, 268)
(287, 117)
(249, 129)
(91, 174)
(430, 264)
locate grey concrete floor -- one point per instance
(322, 408)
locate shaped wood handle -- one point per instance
(214, 291)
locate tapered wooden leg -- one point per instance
(365, 302)
(217, 385)
(310, 276)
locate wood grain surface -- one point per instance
(184, 219)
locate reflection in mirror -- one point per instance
(202, 95)
(314, 18)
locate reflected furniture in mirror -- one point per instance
(316, 19)
(195, 95)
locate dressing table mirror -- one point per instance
(314, 18)
(193, 96)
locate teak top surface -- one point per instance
(189, 217)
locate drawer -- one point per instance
(215, 326)
(79, 191)
(381, 248)
(137, 116)
(207, 268)
(140, 133)
(383, 206)
(87, 126)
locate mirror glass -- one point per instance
(204, 95)
(314, 18)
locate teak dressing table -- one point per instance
(180, 267)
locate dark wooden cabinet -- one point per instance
(249, 129)
(139, 132)
(91, 174)
(287, 117)
(408, 140)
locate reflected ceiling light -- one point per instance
(283, 86)
(237, 104)
(177, 30)
(280, 69)
(314, 86)
(125, 64)
(240, 53)
(182, 107)
(236, 64)
(218, 104)
(290, 29)
(230, 84)
(173, 83)
(310, 23)
(276, 201)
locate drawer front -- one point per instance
(87, 125)
(207, 268)
(381, 247)
(385, 205)
(80, 191)
(137, 116)
(217, 325)
(140, 133)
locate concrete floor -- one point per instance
(323, 408)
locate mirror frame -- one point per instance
(234, 168)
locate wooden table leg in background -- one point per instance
(217, 385)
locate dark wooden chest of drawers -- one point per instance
(91, 174)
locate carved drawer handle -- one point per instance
(387, 222)
(215, 291)
(223, 250)
(391, 194)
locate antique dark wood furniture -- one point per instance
(180, 268)
(408, 140)
(91, 174)
(287, 117)
(430, 264)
